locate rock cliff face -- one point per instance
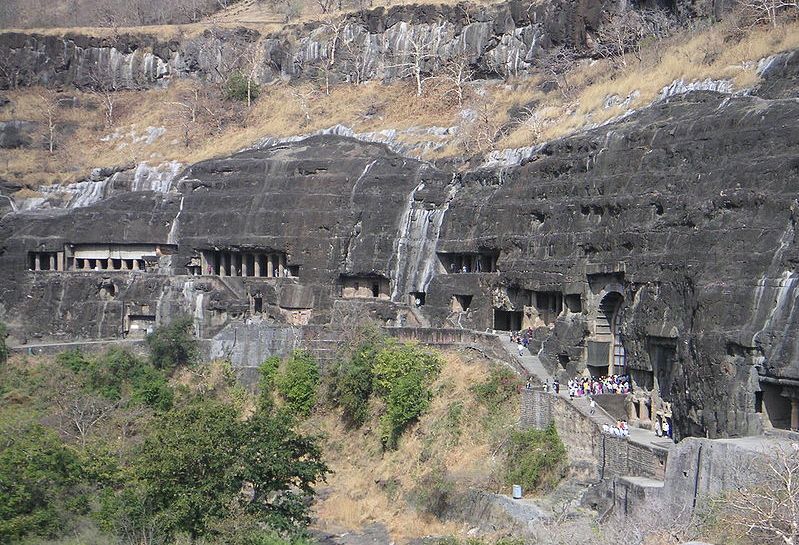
(663, 244)
(498, 40)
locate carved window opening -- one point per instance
(468, 262)
(460, 303)
(508, 320)
(549, 305)
(417, 298)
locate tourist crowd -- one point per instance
(614, 384)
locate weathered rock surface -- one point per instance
(17, 134)
(683, 214)
(379, 44)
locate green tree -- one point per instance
(297, 382)
(408, 399)
(191, 470)
(402, 374)
(173, 345)
(267, 372)
(187, 466)
(396, 360)
(535, 458)
(38, 479)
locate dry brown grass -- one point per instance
(287, 110)
(719, 52)
(369, 485)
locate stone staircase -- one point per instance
(531, 363)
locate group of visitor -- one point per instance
(619, 430)
(522, 340)
(613, 384)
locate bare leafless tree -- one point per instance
(457, 73)
(48, 100)
(765, 505)
(555, 65)
(759, 12)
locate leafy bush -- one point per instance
(408, 400)
(3, 347)
(536, 458)
(38, 475)
(188, 474)
(236, 88)
(117, 373)
(501, 386)
(396, 360)
(266, 382)
(173, 345)
(353, 383)
(297, 382)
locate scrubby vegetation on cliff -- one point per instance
(114, 447)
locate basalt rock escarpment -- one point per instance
(663, 244)
(380, 44)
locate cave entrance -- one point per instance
(608, 324)
(257, 304)
(417, 298)
(508, 320)
(777, 406)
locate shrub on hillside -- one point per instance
(396, 360)
(118, 373)
(38, 479)
(239, 87)
(535, 459)
(3, 347)
(267, 372)
(352, 383)
(173, 345)
(297, 382)
(402, 374)
(500, 387)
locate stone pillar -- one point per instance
(110, 264)
(794, 413)
(281, 263)
(270, 266)
(245, 269)
(37, 262)
(645, 416)
(223, 263)
(136, 265)
(59, 261)
(256, 264)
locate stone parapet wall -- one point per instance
(536, 409)
(621, 457)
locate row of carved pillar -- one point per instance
(226, 263)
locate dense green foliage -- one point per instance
(173, 345)
(297, 381)
(119, 374)
(39, 478)
(399, 373)
(500, 387)
(3, 347)
(236, 88)
(191, 468)
(267, 372)
(536, 458)
(395, 361)
(103, 446)
(352, 378)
